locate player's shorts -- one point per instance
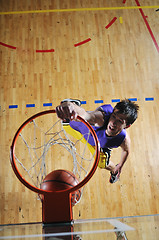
(104, 153)
(104, 158)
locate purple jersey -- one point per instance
(105, 141)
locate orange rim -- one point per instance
(38, 190)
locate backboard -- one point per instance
(137, 227)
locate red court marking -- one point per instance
(80, 43)
(148, 26)
(45, 51)
(6, 45)
(112, 21)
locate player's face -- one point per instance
(116, 124)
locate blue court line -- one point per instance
(133, 99)
(47, 104)
(30, 105)
(98, 101)
(13, 106)
(115, 100)
(149, 99)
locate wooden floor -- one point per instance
(92, 55)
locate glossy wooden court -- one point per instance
(98, 52)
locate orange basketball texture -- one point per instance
(60, 180)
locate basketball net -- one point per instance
(45, 144)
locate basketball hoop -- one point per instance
(42, 145)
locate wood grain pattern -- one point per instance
(119, 62)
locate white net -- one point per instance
(45, 145)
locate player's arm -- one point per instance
(69, 110)
(125, 146)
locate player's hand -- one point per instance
(66, 110)
(117, 170)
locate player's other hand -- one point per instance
(118, 170)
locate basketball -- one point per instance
(61, 180)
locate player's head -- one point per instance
(123, 116)
(129, 109)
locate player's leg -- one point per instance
(104, 162)
(110, 167)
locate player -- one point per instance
(110, 125)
